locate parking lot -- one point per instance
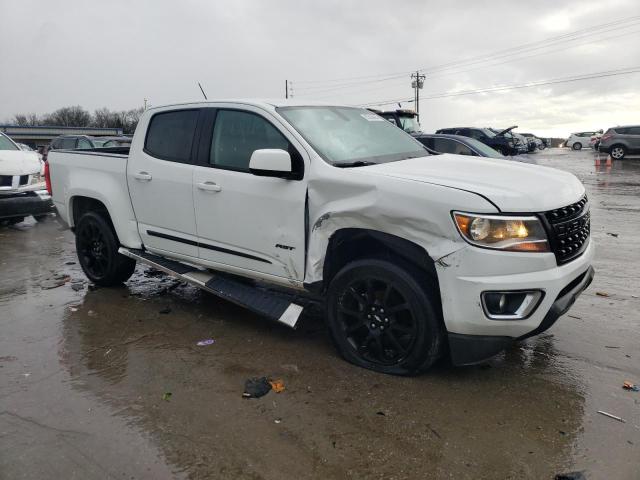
(109, 383)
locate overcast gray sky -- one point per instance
(115, 54)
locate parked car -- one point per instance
(108, 142)
(619, 141)
(497, 140)
(412, 255)
(579, 140)
(70, 142)
(22, 185)
(459, 145)
(538, 144)
(405, 119)
(520, 143)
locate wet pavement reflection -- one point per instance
(109, 383)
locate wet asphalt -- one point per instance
(110, 384)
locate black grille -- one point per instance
(24, 179)
(569, 229)
(5, 180)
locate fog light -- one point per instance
(513, 305)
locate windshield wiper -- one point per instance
(357, 163)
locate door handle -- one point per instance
(209, 186)
(142, 176)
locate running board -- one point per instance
(272, 305)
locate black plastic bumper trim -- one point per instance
(23, 205)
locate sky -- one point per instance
(116, 54)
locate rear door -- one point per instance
(160, 177)
(249, 222)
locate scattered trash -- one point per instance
(381, 413)
(634, 296)
(69, 263)
(204, 343)
(76, 287)
(166, 396)
(610, 346)
(73, 309)
(166, 310)
(277, 420)
(277, 385)
(602, 294)
(256, 387)
(575, 316)
(611, 416)
(612, 234)
(631, 386)
(107, 352)
(571, 476)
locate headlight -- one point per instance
(511, 233)
(36, 178)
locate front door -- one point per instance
(160, 179)
(246, 222)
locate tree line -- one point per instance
(76, 116)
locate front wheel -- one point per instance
(577, 146)
(385, 316)
(97, 248)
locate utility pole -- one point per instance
(286, 89)
(417, 82)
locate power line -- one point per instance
(575, 78)
(578, 34)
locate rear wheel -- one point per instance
(384, 316)
(618, 152)
(97, 248)
(577, 146)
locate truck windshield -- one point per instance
(345, 136)
(6, 144)
(410, 124)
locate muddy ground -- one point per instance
(109, 383)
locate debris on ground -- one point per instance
(381, 413)
(256, 387)
(611, 416)
(76, 287)
(571, 476)
(55, 281)
(277, 420)
(73, 308)
(602, 294)
(166, 396)
(165, 310)
(612, 234)
(630, 386)
(205, 342)
(69, 263)
(277, 385)
(610, 346)
(575, 316)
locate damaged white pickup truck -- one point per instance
(270, 204)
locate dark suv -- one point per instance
(500, 142)
(618, 141)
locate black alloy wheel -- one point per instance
(385, 316)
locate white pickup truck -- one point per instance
(272, 204)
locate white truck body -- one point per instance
(280, 230)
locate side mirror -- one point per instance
(271, 162)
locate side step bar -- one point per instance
(263, 302)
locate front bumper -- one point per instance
(473, 337)
(23, 204)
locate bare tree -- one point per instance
(74, 116)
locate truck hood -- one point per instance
(19, 162)
(511, 186)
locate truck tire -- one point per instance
(577, 146)
(385, 316)
(617, 152)
(97, 248)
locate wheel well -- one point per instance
(81, 205)
(351, 244)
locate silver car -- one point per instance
(620, 141)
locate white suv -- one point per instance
(580, 140)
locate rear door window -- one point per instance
(170, 135)
(634, 131)
(237, 134)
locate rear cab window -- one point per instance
(170, 135)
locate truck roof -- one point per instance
(264, 103)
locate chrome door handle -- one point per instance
(142, 176)
(209, 186)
